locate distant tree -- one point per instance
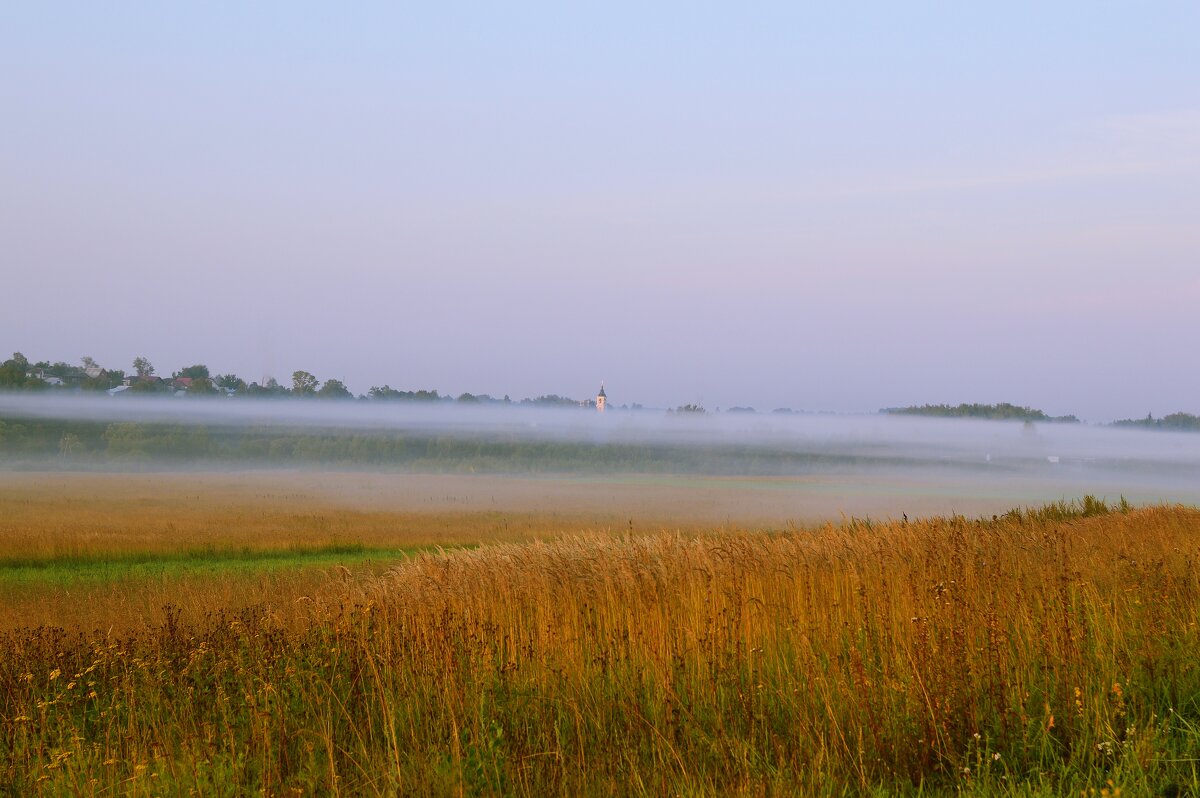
(88, 363)
(231, 381)
(303, 383)
(14, 374)
(143, 367)
(1003, 411)
(690, 408)
(269, 389)
(1181, 422)
(551, 400)
(334, 389)
(201, 386)
(387, 392)
(60, 369)
(198, 371)
(383, 392)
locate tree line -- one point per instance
(20, 374)
(997, 412)
(1178, 422)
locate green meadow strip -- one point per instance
(70, 569)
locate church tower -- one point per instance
(601, 399)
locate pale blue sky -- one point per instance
(835, 207)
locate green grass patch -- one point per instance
(72, 569)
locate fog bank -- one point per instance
(869, 439)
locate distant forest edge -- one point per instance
(18, 373)
(1175, 422)
(998, 412)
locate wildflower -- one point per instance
(996, 757)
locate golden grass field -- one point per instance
(206, 635)
(110, 550)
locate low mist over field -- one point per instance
(520, 439)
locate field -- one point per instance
(295, 634)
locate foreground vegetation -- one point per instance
(1051, 651)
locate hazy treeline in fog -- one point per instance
(19, 374)
(1002, 411)
(73, 431)
(62, 416)
(1180, 422)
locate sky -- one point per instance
(835, 207)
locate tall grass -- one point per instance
(1043, 652)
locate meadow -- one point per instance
(183, 636)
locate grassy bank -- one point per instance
(1045, 652)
